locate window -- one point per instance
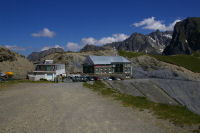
(125, 69)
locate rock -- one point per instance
(149, 67)
(154, 42)
(91, 48)
(35, 56)
(186, 37)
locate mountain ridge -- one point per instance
(186, 37)
(153, 43)
(35, 56)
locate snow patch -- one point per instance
(161, 50)
(152, 39)
(168, 36)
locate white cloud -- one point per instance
(49, 47)
(152, 24)
(105, 40)
(113, 38)
(71, 46)
(89, 40)
(15, 48)
(44, 33)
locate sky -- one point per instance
(35, 25)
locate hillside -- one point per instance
(35, 56)
(91, 48)
(186, 37)
(14, 62)
(190, 62)
(182, 67)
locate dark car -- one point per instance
(115, 78)
(90, 78)
(83, 79)
(97, 78)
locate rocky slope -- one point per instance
(186, 37)
(154, 43)
(35, 56)
(91, 48)
(14, 62)
(148, 67)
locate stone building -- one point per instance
(107, 65)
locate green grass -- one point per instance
(177, 114)
(190, 62)
(187, 61)
(130, 54)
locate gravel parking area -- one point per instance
(71, 108)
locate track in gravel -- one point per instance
(71, 108)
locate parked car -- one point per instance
(79, 79)
(121, 78)
(90, 78)
(115, 78)
(107, 78)
(83, 79)
(97, 78)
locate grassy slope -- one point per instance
(187, 61)
(177, 114)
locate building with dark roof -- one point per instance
(104, 65)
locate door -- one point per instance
(49, 76)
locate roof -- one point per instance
(107, 59)
(49, 64)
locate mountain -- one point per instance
(91, 48)
(35, 56)
(154, 43)
(186, 37)
(14, 62)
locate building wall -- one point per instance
(103, 69)
(108, 69)
(127, 68)
(88, 69)
(60, 69)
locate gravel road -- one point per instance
(71, 108)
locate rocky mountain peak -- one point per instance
(186, 37)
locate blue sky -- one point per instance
(33, 25)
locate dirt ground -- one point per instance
(71, 108)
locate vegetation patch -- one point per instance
(190, 62)
(177, 114)
(130, 54)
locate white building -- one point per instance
(47, 71)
